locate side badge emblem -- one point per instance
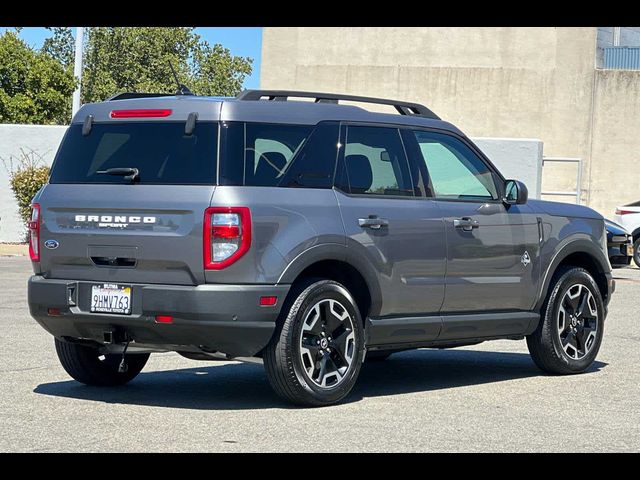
(525, 259)
(51, 244)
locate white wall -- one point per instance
(516, 158)
(42, 139)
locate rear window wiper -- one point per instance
(127, 172)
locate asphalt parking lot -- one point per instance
(488, 397)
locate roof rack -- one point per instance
(404, 108)
(128, 95)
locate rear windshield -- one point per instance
(161, 152)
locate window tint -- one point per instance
(454, 170)
(375, 163)
(313, 166)
(161, 152)
(268, 150)
(231, 169)
(278, 155)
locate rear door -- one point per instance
(145, 229)
(400, 233)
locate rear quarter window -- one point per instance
(161, 152)
(279, 155)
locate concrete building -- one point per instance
(544, 83)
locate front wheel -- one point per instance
(570, 332)
(315, 356)
(86, 365)
(636, 252)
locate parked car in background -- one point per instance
(619, 244)
(629, 217)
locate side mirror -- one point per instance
(515, 192)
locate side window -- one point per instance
(278, 155)
(454, 170)
(313, 166)
(268, 150)
(375, 162)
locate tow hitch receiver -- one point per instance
(116, 337)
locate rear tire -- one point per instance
(570, 331)
(84, 364)
(636, 252)
(315, 355)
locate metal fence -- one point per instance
(624, 58)
(577, 192)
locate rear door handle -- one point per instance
(465, 223)
(373, 222)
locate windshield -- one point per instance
(160, 151)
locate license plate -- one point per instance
(111, 298)
(630, 250)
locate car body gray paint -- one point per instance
(299, 227)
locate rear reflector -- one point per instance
(141, 113)
(268, 301)
(164, 319)
(54, 312)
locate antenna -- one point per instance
(182, 89)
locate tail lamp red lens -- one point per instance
(624, 212)
(227, 236)
(53, 312)
(141, 113)
(34, 233)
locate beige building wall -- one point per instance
(491, 82)
(615, 165)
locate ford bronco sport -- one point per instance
(306, 234)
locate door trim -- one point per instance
(432, 329)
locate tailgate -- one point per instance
(124, 233)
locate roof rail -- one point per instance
(404, 108)
(128, 95)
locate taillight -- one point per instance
(227, 235)
(624, 212)
(34, 233)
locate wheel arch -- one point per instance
(579, 253)
(337, 262)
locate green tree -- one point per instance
(60, 46)
(34, 87)
(136, 59)
(27, 174)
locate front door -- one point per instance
(397, 230)
(492, 248)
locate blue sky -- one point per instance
(242, 41)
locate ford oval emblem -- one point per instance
(51, 244)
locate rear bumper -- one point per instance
(222, 318)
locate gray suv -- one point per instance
(306, 234)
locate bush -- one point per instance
(27, 174)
